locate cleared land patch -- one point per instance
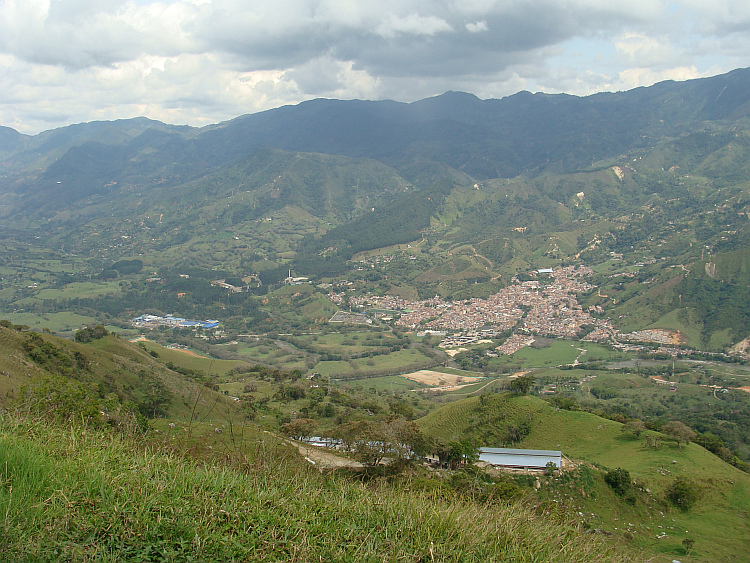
(438, 379)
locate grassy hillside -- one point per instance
(718, 522)
(84, 496)
(78, 483)
(108, 369)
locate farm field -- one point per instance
(439, 379)
(389, 383)
(558, 352)
(489, 384)
(455, 371)
(400, 360)
(63, 322)
(190, 359)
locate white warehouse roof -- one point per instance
(510, 457)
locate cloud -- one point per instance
(477, 27)
(637, 48)
(192, 61)
(412, 24)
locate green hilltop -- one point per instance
(718, 522)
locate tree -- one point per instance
(679, 432)
(652, 441)
(365, 440)
(91, 333)
(522, 384)
(299, 428)
(635, 427)
(517, 432)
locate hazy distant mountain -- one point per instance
(455, 131)
(487, 188)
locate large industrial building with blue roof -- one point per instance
(154, 321)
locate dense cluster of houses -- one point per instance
(534, 307)
(546, 308)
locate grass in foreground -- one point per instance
(77, 494)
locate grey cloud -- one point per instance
(190, 61)
(407, 39)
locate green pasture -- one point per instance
(718, 522)
(267, 352)
(390, 383)
(80, 290)
(559, 352)
(399, 360)
(183, 359)
(64, 322)
(717, 519)
(236, 388)
(349, 342)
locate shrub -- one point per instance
(619, 481)
(683, 494)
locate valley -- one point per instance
(410, 283)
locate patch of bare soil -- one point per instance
(325, 459)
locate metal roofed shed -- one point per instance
(526, 459)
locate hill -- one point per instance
(79, 480)
(718, 522)
(119, 500)
(484, 139)
(107, 373)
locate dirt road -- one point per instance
(325, 459)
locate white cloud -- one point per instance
(637, 48)
(634, 77)
(412, 24)
(477, 27)
(197, 61)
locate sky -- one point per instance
(200, 62)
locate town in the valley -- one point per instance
(546, 306)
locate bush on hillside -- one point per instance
(91, 333)
(61, 399)
(683, 494)
(522, 385)
(619, 481)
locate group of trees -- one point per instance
(91, 333)
(390, 440)
(674, 430)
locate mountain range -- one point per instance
(656, 172)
